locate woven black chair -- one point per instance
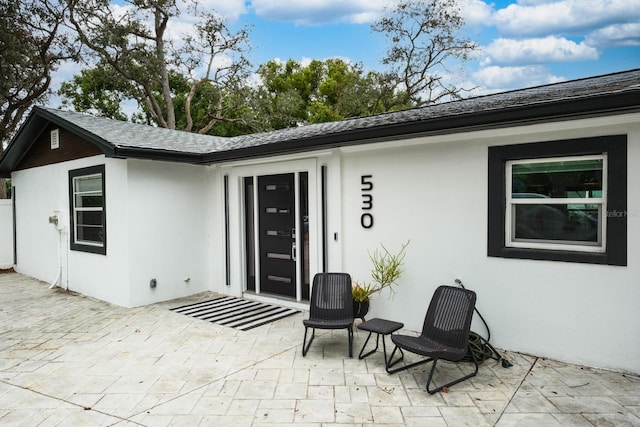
(445, 333)
(331, 307)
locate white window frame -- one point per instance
(511, 203)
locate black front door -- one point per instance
(277, 219)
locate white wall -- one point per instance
(435, 194)
(42, 249)
(157, 227)
(6, 234)
(168, 208)
(165, 221)
(43, 191)
(106, 276)
(216, 249)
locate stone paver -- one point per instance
(67, 360)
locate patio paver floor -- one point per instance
(67, 359)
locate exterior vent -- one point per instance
(55, 139)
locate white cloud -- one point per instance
(496, 79)
(533, 18)
(615, 35)
(475, 12)
(534, 2)
(316, 12)
(548, 49)
(230, 9)
(182, 24)
(64, 73)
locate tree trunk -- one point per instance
(160, 27)
(3, 188)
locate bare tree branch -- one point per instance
(33, 42)
(424, 40)
(167, 73)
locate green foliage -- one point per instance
(361, 292)
(292, 94)
(177, 84)
(387, 269)
(101, 90)
(32, 45)
(200, 82)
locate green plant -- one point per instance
(387, 269)
(361, 292)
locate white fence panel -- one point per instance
(6, 234)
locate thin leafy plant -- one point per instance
(387, 269)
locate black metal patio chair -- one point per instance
(445, 333)
(331, 307)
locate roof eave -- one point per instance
(568, 109)
(159, 155)
(21, 143)
(106, 147)
(32, 128)
(564, 109)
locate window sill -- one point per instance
(556, 255)
(100, 250)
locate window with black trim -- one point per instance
(87, 207)
(559, 200)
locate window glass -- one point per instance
(557, 202)
(571, 178)
(89, 200)
(88, 214)
(563, 223)
(85, 184)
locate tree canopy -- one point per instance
(291, 94)
(424, 45)
(200, 84)
(201, 81)
(198, 81)
(33, 43)
(132, 44)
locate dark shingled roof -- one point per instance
(595, 96)
(588, 89)
(123, 134)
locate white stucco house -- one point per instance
(528, 196)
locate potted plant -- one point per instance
(387, 269)
(361, 294)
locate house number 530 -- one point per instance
(366, 219)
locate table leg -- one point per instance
(386, 361)
(362, 356)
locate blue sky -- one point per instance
(522, 43)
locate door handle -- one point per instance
(293, 251)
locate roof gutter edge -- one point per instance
(571, 109)
(154, 154)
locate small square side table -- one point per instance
(379, 327)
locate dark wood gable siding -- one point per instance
(71, 147)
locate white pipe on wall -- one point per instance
(57, 220)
